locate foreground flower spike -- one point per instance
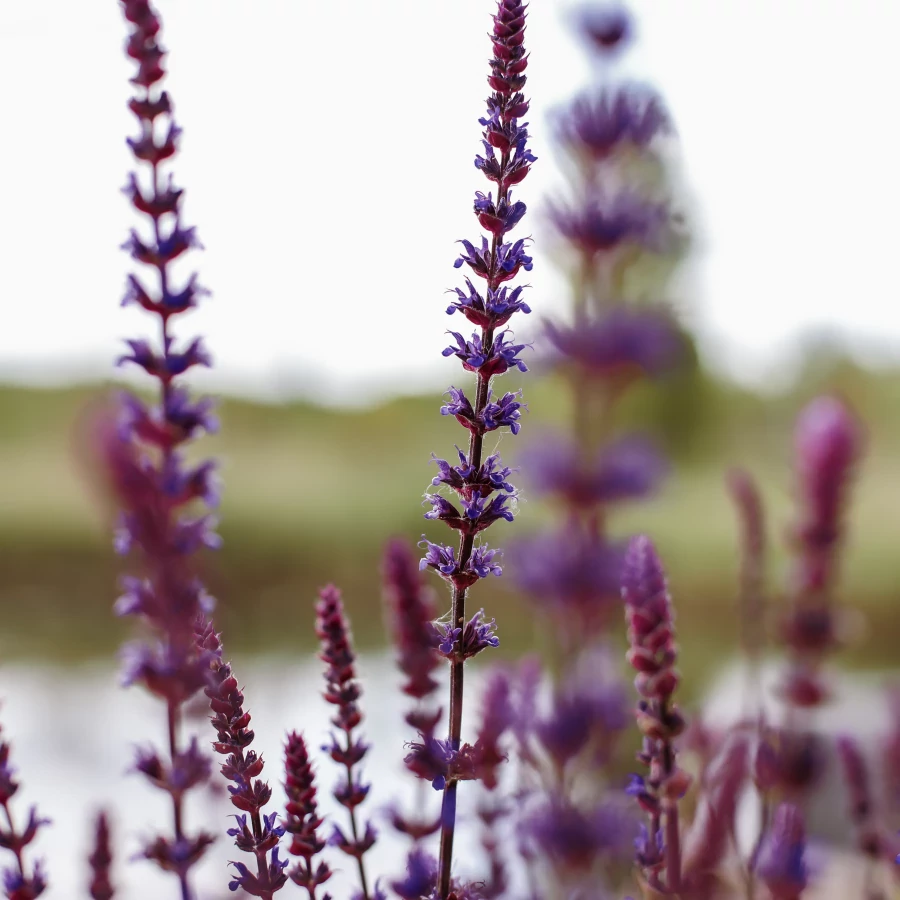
(100, 861)
(488, 352)
(151, 481)
(21, 881)
(653, 653)
(342, 689)
(260, 836)
(302, 820)
(781, 865)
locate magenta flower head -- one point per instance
(653, 653)
(781, 865)
(651, 621)
(828, 442)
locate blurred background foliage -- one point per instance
(312, 493)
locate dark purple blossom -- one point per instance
(600, 224)
(100, 861)
(504, 412)
(501, 217)
(477, 513)
(457, 644)
(781, 864)
(616, 118)
(506, 262)
(608, 28)
(421, 876)
(501, 356)
(499, 307)
(491, 476)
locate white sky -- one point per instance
(328, 154)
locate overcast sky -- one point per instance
(327, 158)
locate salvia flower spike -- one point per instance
(254, 832)
(157, 490)
(343, 690)
(653, 654)
(491, 261)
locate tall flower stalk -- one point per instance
(156, 489)
(479, 481)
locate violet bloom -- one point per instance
(617, 118)
(781, 864)
(160, 494)
(21, 881)
(599, 224)
(622, 345)
(629, 468)
(254, 831)
(342, 689)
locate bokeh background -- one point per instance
(327, 160)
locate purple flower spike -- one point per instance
(342, 690)
(302, 819)
(242, 766)
(160, 495)
(478, 479)
(781, 865)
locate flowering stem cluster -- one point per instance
(18, 882)
(242, 767)
(479, 482)
(151, 480)
(343, 690)
(100, 861)
(653, 654)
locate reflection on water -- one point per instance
(73, 730)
